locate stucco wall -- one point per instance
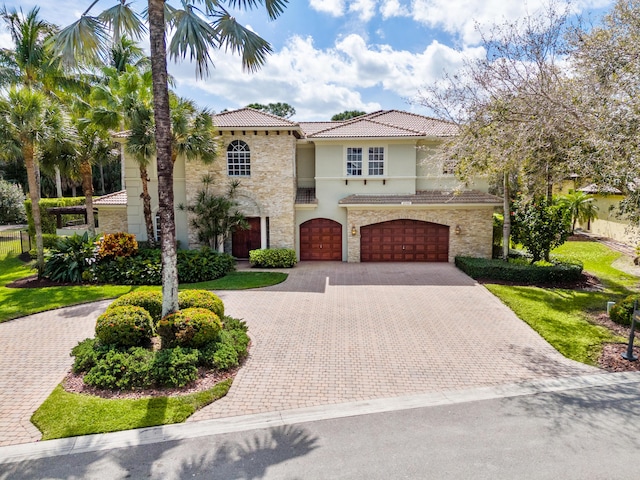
(270, 190)
(475, 223)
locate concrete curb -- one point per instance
(166, 433)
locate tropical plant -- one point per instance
(11, 203)
(28, 120)
(193, 35)
(215, 217)
(581, 207)
(70, 257)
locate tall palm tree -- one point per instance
(581, 206)
(199, 26)
(28, 120)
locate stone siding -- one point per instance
(270, 190)
(112, 219)
(476, 226)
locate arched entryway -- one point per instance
(320, 239)
(404, 241)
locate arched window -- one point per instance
(238, 159)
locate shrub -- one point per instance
(622, 311)
(175, 367)
(192, 327)
(124, 370)
(201, 299)
(11, 204)
(69, 258)
(519, 272)
(120, 244)
(150, 301)
(203, 265)
(125, 326)
(273, 258)
(225, 357)
(87, 353)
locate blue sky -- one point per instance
(336, 55)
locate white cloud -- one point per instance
(332, 7)
(393, 8)
(463, 17)
(321, 82)
(365, 9)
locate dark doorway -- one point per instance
(242, 241)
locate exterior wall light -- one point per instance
(353, 230)
(458, 230)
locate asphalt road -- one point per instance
(588, 433)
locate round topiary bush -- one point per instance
(125, 326)
(150, 301)
(201, 299)
(192, 327)
(622, 311)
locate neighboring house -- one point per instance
(112, 212)
(366, 189)
(609, 224)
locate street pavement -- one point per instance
(574, 428)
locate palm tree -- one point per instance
(28, 120)
(194, 35)
(581, 206)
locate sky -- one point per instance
(335, 55)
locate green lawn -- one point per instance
(17, 302)
(561, 316)
(66, 414)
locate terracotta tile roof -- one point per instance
(365, 128)
(429, 126)
(425, 197)
(116, 198)
(310, 128)
(251, 118)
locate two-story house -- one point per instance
(366, 189)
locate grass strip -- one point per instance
(65, 414)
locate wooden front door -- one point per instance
(242, 241)
(404, 241)
(321, 239)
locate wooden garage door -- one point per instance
(404, 241)
(320, 239)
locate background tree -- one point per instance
(197, 30)
(580, 206)
(11, 204)
(347, 115)
(283, 110)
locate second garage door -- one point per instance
(404, 241)
(320, 239)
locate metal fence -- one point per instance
(14, 241)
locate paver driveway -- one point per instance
(336, 332)
(331, 333)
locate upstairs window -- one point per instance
(354, 161)
(238, 159)
(376, 160)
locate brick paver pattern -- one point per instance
(332, 333)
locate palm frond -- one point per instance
(194, 36)
(235, 37)
(122, 20)
(81, 42)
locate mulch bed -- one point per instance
(34, 282)
(586, 282)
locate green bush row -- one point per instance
(48, 220)
(494, 269)
(273, 258)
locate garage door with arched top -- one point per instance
(320, 239)
(404, 241)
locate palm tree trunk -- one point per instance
(506, 222)
(146, 205)
(58, 182)
(28, 152)
(87, 188)
(102, 189)
(163, 147)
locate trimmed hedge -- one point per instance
(125, 326)
(150, 301)
(493, 269)
(201, 299)
(273, 258)
(48, 220)
(622, 311)
(191, 327)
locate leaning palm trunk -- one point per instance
(146, 205)
(87, 189)
(28, 152)
(163, 148)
